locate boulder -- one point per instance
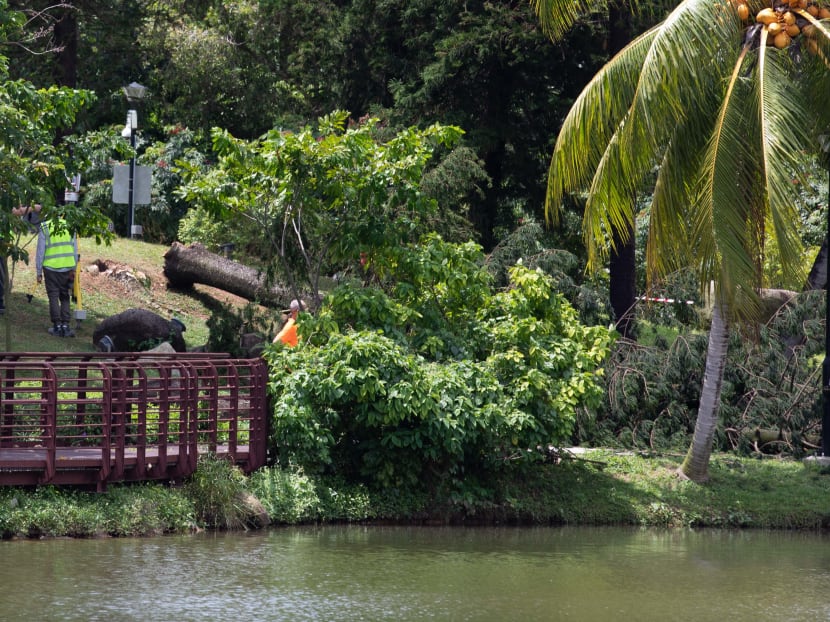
(251, 345)
(137, 330)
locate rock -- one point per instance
(136, 330)
(165, 348)
(256, 515)
(251, 345)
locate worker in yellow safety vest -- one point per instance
(57, 258)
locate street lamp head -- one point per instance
(134, 92)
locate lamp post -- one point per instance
(134, 92)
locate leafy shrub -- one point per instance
(133, 510)
(535, 247)
(148, 509)
(291, 497)
(199, 226)
(438, 376)
(217, 489)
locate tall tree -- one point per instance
(557, 17)
(81, 43)
(488, 68)
(726, 116)
(325, 197)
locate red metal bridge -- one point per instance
(89, 419)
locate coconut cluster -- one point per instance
(786, 19)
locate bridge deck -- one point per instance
(89, 420)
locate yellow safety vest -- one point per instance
(59, 252)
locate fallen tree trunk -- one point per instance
(761, 438)
(772, 300)
(185, 266)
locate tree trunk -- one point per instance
(622, 283)
(186, 265)
(623, 263)
(696, 464)
(66, 47)
(761, 436)
(817, 279)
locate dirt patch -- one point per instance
(146, 286)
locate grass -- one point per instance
(603, 488)
(24, 326)
(622, 488)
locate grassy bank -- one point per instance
(125, 274)
(596, 488)
(603, 488)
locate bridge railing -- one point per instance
(93, 418)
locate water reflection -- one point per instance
(401, 573)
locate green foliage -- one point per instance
(532, 246)
(292, 497)
(260, 61)
(137, 510)
(32, 168)
(651, 395)
(321, 196)
(437, 378)
(227, 324)
(249, 245)
(148, 509)
(217, 488)
(160, 219)
(771, 383)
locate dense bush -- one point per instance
(435, 377)
(218, 489)
(124, 510)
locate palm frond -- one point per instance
(723, 207)
(815, 67)
(670, 244)
(558, 16)
(610, 206)
(786, 137)
(673, 89)
(592, 122)
(670, 85)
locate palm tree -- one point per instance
(557, 16)
(723, 115)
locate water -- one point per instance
(403, 573)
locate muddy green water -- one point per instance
(401, 573)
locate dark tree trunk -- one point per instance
(623, 265)
(66, 43)
(622, 284)
(186, 265)
(817, 279)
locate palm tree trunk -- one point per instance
(696, 464)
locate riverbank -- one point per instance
(597, 488)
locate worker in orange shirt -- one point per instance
(288, 333)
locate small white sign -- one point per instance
(121, 184)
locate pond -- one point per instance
(422, 573)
